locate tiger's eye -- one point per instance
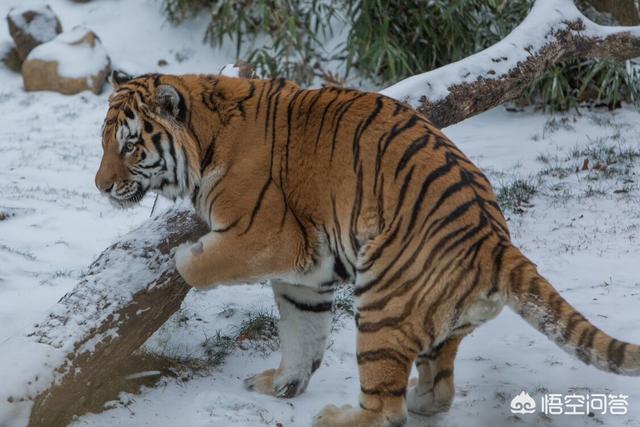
(129, 146)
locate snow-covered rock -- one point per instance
(30, 27)
(10, 57)
(70, 63)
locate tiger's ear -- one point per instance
(170, 102)
(119, 77)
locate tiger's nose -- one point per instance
(104, 184)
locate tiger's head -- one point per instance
(147, 144)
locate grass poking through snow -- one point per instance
(516, 196)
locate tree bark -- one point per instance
(88, 341)
(624, 12)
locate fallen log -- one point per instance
(83, 354)
(126, 295)
(88, 340)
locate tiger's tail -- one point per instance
(539, 303)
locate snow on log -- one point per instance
(83, 354)
(554, 31)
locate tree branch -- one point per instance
(554, 31)
(81, 355)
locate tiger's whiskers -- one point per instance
(155, 202)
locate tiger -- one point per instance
(312, 188)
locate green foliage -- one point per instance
(389, 40)
(257, 332)
(286, 32)
(565, 86)
(179, 10)
(218, 347)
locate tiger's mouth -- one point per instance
(129, 199)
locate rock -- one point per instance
(239, 69)
(31, 27)
(9, 56)
(70, 63)
(245, 70)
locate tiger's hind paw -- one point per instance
(348, 416)
(273, 383)
(425, 404)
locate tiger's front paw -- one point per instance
(348, 416)
(187, 258)
(332, 416)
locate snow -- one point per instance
(42, 27)
(583, 231)
(76, 58)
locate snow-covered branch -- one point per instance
(554, 31)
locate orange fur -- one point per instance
(294, 180)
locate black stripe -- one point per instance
(441, 375)
(453, 216)
(395, 131)
(448, 192)
(206, 159)
(240, 104)
(430, 179)
(182, 107)
(316, 98)
(413, 149)
(324, 115)
(339, 269)
(382, 354)
(172, 153)
(616, 355)
(342, 111)
(362, 127)
(259, 103)
(384, 392)
(315, 308)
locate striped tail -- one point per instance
(532, 297)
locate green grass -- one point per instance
(218, 347)
(516, 196)
(258, 332)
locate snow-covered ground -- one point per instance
(583, 231)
